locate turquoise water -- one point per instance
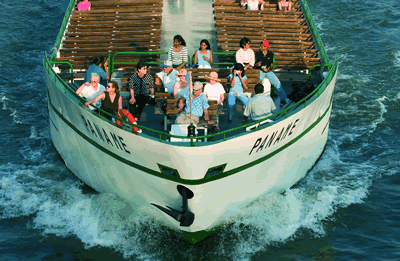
(346, 209)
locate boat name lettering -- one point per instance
(272, 139)
(110, 138)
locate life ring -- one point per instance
(124, 113)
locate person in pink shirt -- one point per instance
(84, 5)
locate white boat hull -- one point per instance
(112, 160)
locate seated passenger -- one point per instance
(203, 57)
(264, 62)
(84, 5)
(112, 101)
(238, 82)
(285, 5)
(178, 54)
(100, 67)
(253, 4)
(260, 106)
(245, 55)
(199, 105)
(181, 87)
(214, 91)
(91, 90)
(167, 77)
(141, 84)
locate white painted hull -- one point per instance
(127, 165)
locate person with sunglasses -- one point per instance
(111, 100)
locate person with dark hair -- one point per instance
(112, 101)
(203, 57)
(260, 106)
(141, 84)
(98, 66)
(253, 4)
(178, 53)
(264, 62)
(245, 54)
(238, 82)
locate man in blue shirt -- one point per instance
(199, 105)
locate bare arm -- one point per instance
(100, 96)
(120, 103)
(181, 103)
(195, 58)
(244, 82)
(81, 88)
(132, 100)
(221, 98)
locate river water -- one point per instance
(346, 209)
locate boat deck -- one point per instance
(149, 26)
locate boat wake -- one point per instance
(63, 206)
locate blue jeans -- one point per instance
(232, 100)
(275, 82)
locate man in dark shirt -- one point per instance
(141, 84)
(264, 62)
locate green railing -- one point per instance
(112, 63)
(332, 68)
(70, 65)
(318, 40)
(62, 30)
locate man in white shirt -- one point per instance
(215, 91)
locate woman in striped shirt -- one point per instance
(178, 53)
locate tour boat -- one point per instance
(192, 184)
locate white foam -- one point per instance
(382, 110)
(396, 61)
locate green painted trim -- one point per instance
(196, 237)
(180, 180)
(166, 167)
(211, 169)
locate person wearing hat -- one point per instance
(181, 87)
(167, 77)
(215, 91)
(264, 62)
(199, 105)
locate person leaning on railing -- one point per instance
(264, 62)
(91, 90)
(141, 84)
(112, 100)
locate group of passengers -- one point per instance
(254, 5)
(173, 79)
(284, 5)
